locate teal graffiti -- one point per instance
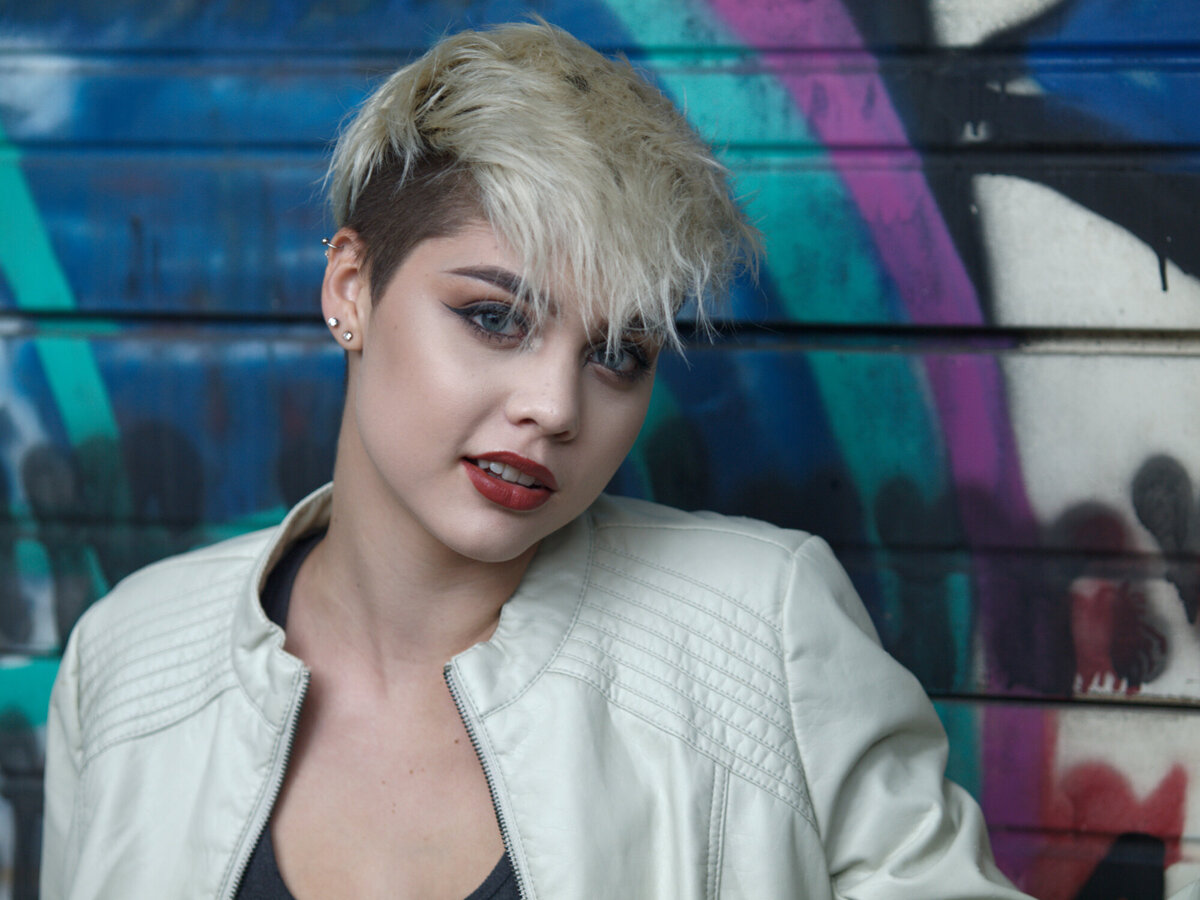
(37, 281)
(961, 721)
(25, 687)
(28, 262)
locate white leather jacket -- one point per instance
(673, 705)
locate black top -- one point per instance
(262, 880)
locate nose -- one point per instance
(547, 393)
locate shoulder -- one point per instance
(684, 623)
(670, 530)
(174, 586)
(729, 554)
(157, 647)
(774, 574)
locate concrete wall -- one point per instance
(973, 362)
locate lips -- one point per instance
(510, 480)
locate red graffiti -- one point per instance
(1117, 644)
(1094, 800)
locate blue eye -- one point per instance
(627, 360)
(494, 321)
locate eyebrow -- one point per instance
(514, 284)
(496, 276)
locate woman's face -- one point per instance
(473, 430)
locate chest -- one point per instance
(384, 802)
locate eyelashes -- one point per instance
(494, 321)
(504, 324)
(628, 360)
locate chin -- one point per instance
(494, 546)
(501, 536)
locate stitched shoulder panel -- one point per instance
(157, 648)
(680, 624)
(731, 557)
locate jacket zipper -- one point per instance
(484, 763)
(277, 776)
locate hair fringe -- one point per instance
(588, 173)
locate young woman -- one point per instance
(458, 670)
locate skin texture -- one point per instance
(384, 796)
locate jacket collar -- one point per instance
(533, 622)
(269, 675)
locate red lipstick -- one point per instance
(509, 494)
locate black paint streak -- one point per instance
(1131, 870)
(1162, 495)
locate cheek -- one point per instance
(413, 372)
(618, 424)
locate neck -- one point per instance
(381, 589)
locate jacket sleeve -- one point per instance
(874, 754)
(63, 756)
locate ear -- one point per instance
(345, 293)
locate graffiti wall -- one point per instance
(971, 361)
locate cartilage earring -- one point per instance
(330, 244)
(331, 322)
(347, 335)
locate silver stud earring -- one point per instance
(347, 335)
(331, 322)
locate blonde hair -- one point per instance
(586, 171)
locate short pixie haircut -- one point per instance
(587, 172)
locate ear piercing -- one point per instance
(332, 322)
